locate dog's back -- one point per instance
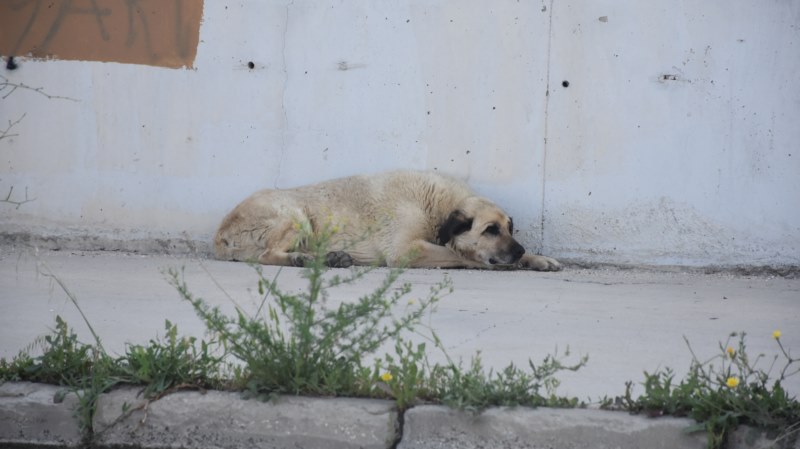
(372, 210)
(421, 219)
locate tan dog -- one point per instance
(420, 219)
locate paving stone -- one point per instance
(437, 427)
(30, 415)
(30, 418)
(224, 420)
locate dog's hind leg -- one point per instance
(334, 259)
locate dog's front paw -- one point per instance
(300, 259)
(539, 263)
(338, 259)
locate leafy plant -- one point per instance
(170, 363)
(64, 360)
(82, 368)
(407, 376)
(475, 390)
(724, 392)
(300, 345)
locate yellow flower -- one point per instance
(411, 302)
(731, 352)
(776, 335)
(386, 377)
(732, 382)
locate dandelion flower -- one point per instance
(732, 382)
(386, 377)
(731, 352)
(411, 302)
(776, 335)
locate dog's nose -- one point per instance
(517, 251)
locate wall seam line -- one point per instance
(546, 120)
(283, 96)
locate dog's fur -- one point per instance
(417, 219)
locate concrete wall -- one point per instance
(675, 141)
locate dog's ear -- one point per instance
(457, 223)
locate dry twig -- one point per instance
(14, 202)
(9, 88)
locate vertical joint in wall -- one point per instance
(285, 126)
(546, 119)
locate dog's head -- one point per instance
(479, 230)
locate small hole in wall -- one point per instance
(565, 83)
(251, 65)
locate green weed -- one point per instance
(82, 368)
(296, 343)
(170, 363)
(406, 375)
(474, 389)
(64, 360)
(724, 392)
(88, 371)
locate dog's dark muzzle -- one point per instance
(511, 256)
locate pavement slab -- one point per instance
(37, 415)
(436, 427)
(214, 419)
(29, 418)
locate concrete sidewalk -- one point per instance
(627, 321)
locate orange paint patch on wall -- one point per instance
(153, 32)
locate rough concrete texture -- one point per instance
(223, 420)
(31, 414)
(434, 427)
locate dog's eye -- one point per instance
(492, 230)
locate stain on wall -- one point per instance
(152, 32)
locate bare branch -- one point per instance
(6, 85)
(14, 202)
(4, 134)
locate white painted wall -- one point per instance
(621, 166)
